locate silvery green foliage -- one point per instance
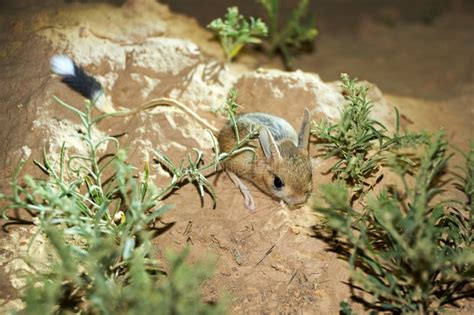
(97, 215)
(409, 247)
(292, 36)
(234, 31)
(360, 143)
(194, 169)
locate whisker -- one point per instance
(258, 192)
(271, 206)
(232, 187)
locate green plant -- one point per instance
(193, 169)
(345, 308)
(410, 248)
(234, 31)
(92, 279)
(297, 32)
(84, 193)
(360, 143)
(97, 215)
(465, 184)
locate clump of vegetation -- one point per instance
(360, 143)
(345, 308)
(98, 278)
(235, 31)
(98, 216)
(292, 36)
(194, 169)
(409, 248)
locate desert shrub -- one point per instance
(96, 278)
(193, 169)
(465, 184)
(294, 34)
(235, 31)
(409, 247)
(287, 38)
(98, 215)
(360, 143)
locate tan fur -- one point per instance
(294, 167)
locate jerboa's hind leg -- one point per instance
(248, 199)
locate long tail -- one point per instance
(77, 79)
(80, 81)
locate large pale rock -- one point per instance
(288, 93)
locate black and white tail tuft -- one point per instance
(77, 79)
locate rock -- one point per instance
(288, 93)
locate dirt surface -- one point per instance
(269, 261)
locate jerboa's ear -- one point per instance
(303, 136)
(269, 146)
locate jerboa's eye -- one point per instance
(278, 183)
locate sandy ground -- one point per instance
(269, 261)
